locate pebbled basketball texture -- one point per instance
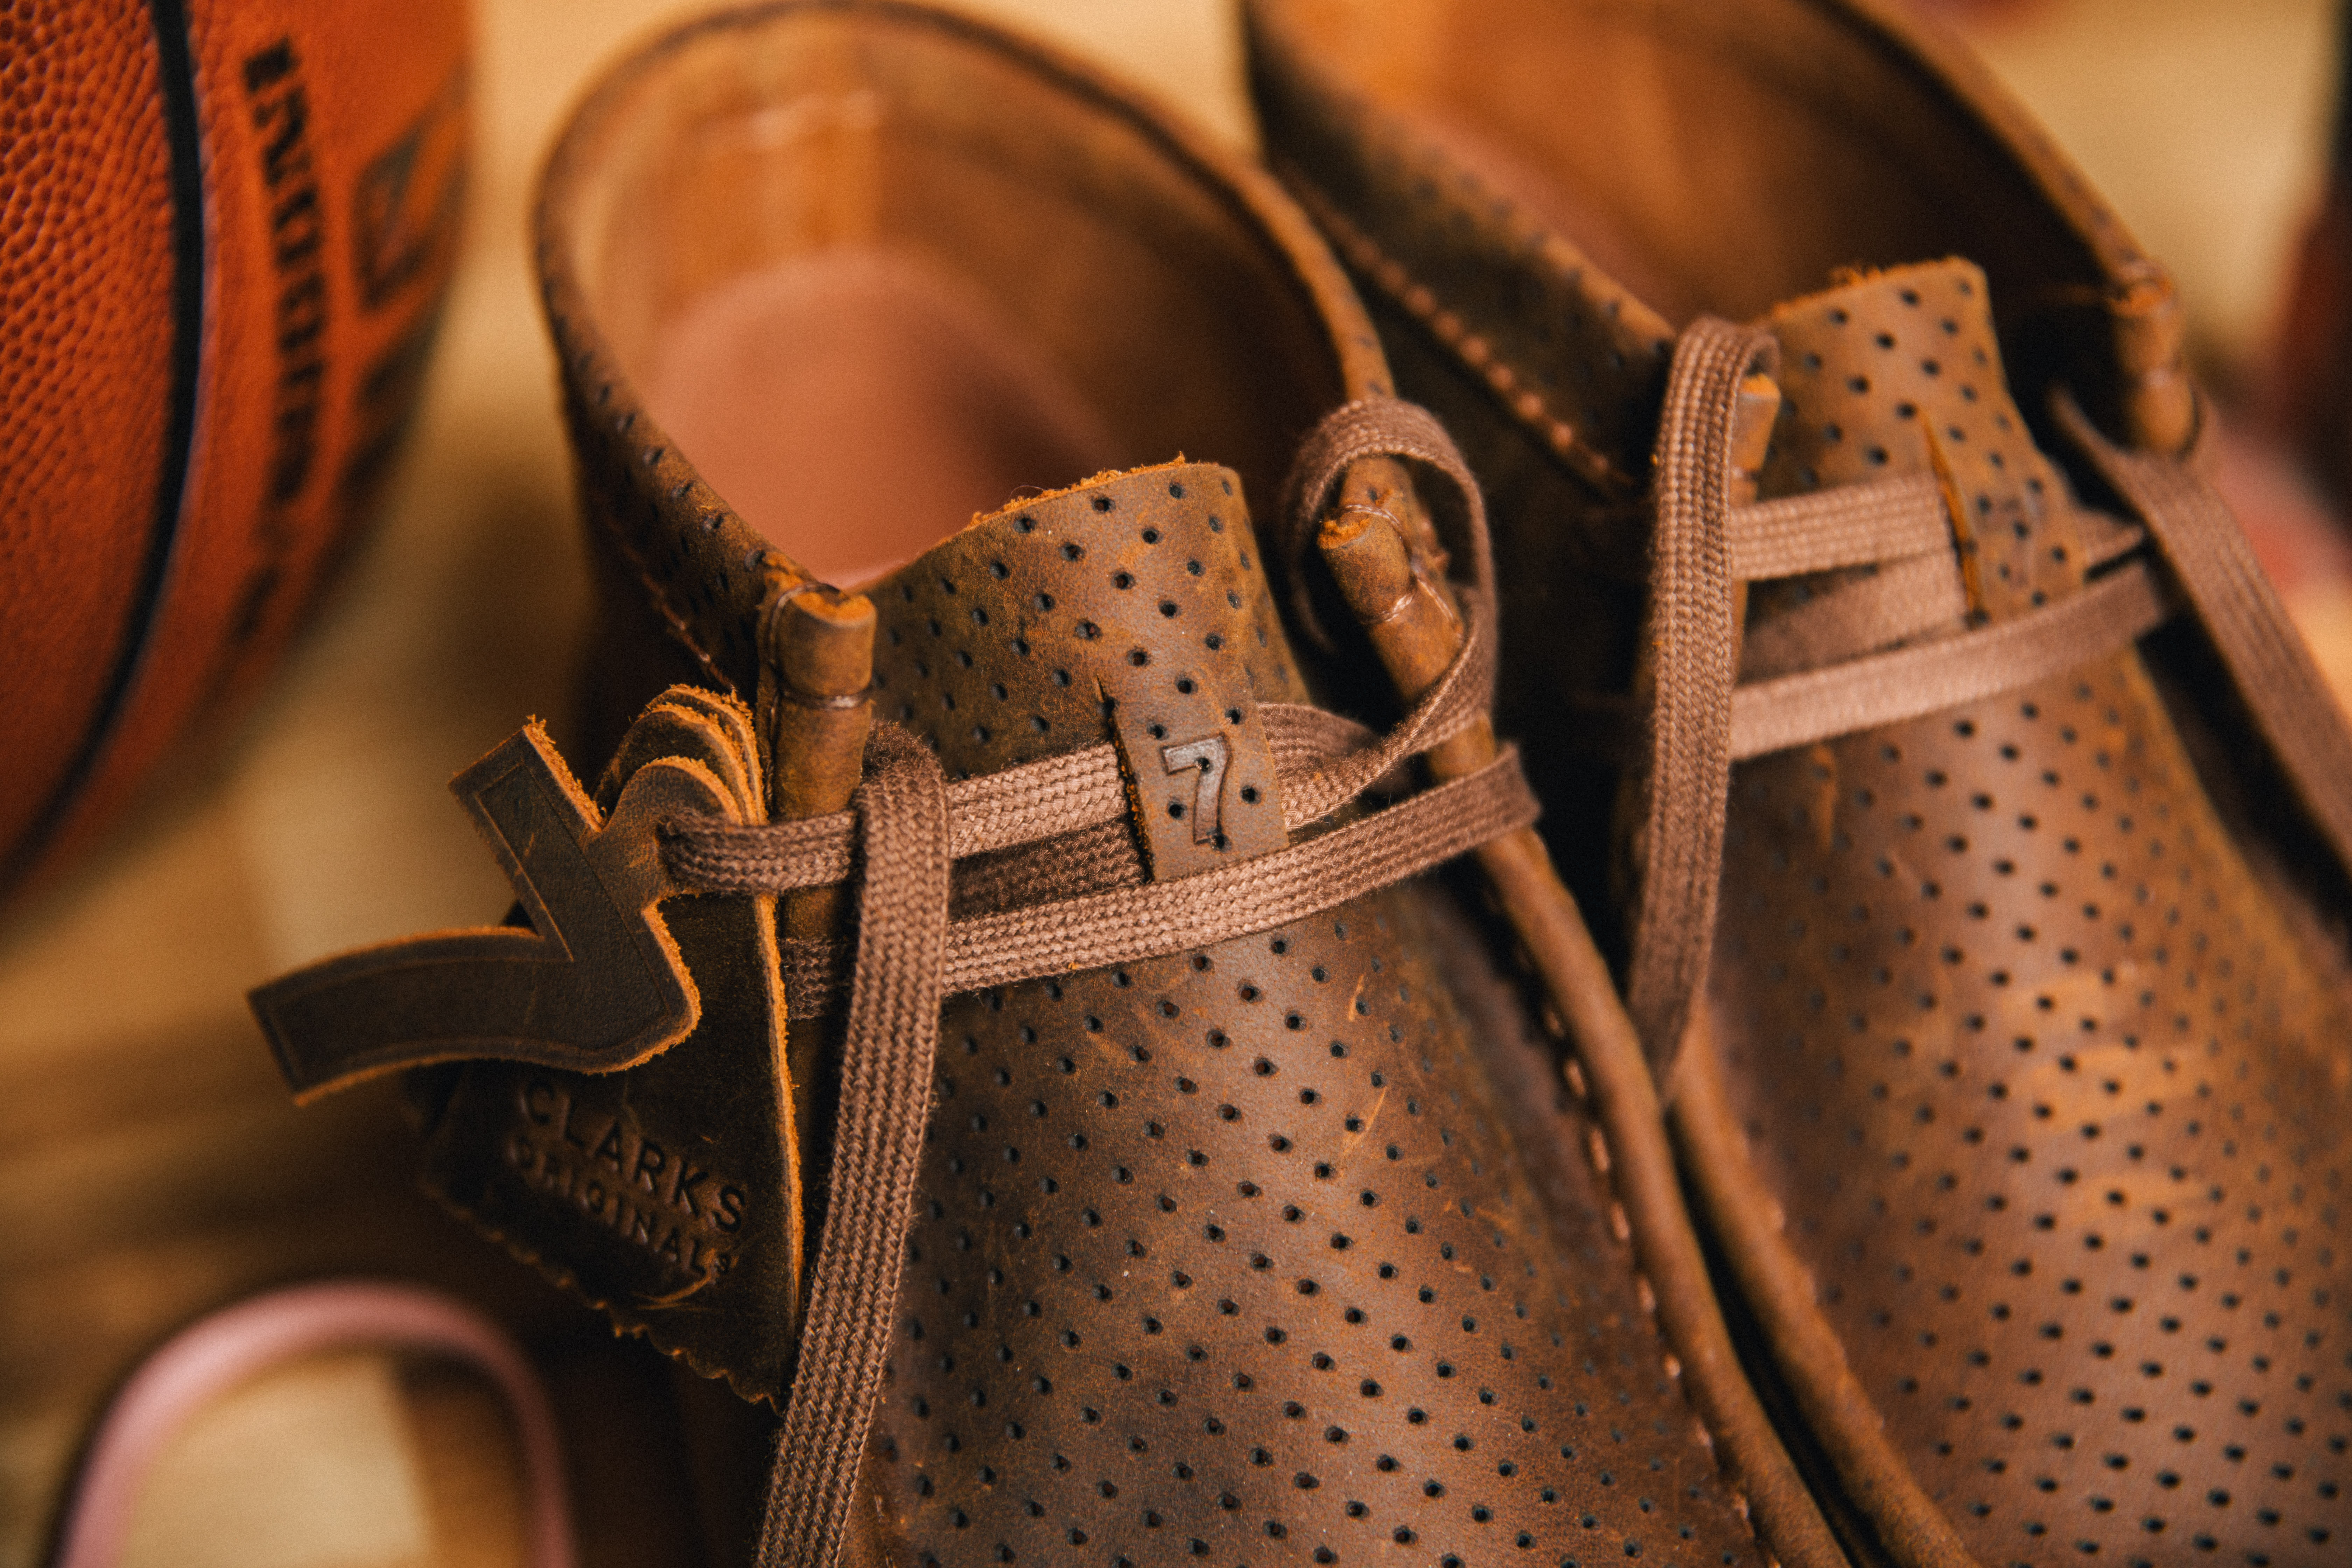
(225, 230)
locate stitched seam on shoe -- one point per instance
(1621, 1224)
(1593, 467)
(1525, 405)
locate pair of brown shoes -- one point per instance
(1013, 1017)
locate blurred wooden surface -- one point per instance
(150, 1165)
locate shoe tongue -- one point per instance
(1898, 373)
(1131, 608)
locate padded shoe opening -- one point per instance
(873, 275)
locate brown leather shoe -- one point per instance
(1035, 889)
(1980, 825)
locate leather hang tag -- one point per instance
(667, 1194)
(593, 983)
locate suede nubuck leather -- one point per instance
(1072, 1023)
(1977, 826)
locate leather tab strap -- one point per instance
(596, 984)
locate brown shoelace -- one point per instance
(900, 838)
(1704, 719)
(885, 1091)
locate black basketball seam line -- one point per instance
(182, 131)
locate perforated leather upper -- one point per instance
(1275, 1251)
(2041, 1067)
(2052, 1096)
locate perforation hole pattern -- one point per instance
(2055, 1108)
(1900, 373)
(1279, 1251)
(997, 645)
(1232, 1257)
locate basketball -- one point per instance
(225, 230)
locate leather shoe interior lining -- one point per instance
(873, 277)
(859, 405)
(1713, 158)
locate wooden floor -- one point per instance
(150, 1166)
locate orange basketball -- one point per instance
(226, 228)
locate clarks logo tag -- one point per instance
(685, 1215)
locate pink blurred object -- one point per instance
(216, 1353)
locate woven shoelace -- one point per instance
(905, 829)
(1703, 720)
(1324, 762)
